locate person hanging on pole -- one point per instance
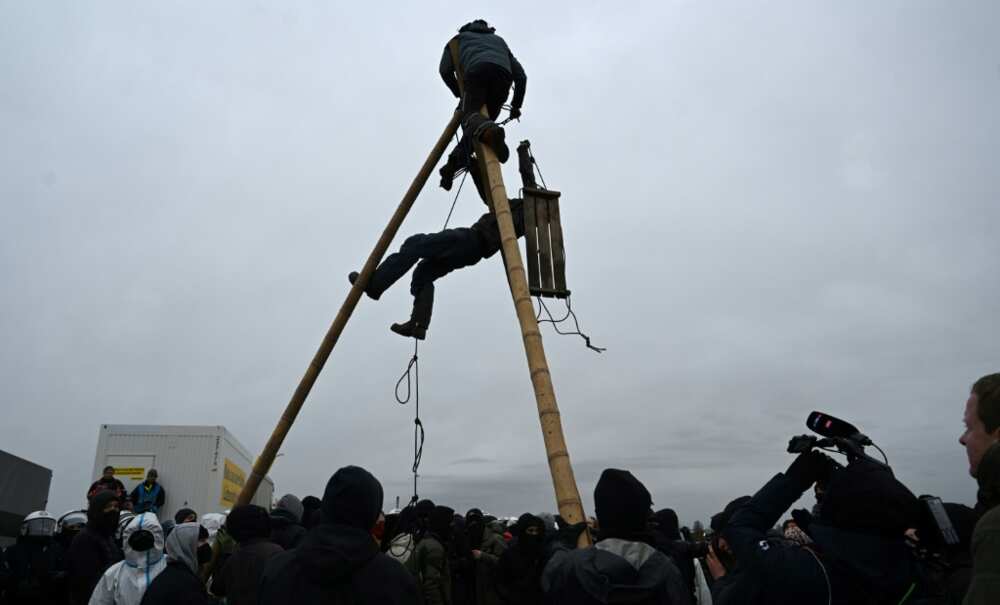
(486, 68)
(436, 255)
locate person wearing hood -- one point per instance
(519, 573)
(859, 554)
(622, 566)
(981, 440)
(311, 515)
(32, 563)
(125, 582)
(239, 578)
(487, 546)
(667, 533)
(487, 69)
(430, 559)
(93, 550)
(404, 542)
(339, 559)
(149, 495)
(178, 583)
(286, 522)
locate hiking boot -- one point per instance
(447, 177)
(410, 329)
(353, 277)
(497, 142)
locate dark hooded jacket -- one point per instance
(339, 561)
(478, 46)
(286, 518)
(239, 578)
(179, 583)
(93, 549)
(622, 567)
(854, 560)
(430, 559)
(668, 541)
(33, 567)
(985, 584)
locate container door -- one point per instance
(131, 469)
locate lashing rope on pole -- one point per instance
(413, 389)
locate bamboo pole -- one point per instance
(563, 480)
(266, 458)
(263, 463)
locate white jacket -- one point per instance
(125, 582)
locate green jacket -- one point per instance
(985, 586)
(430, 564)
(486, 567)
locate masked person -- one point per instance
(488, 69)
(125, 582)
(430, 559)
(178, 584)
(667, 533)
(148, 496)
(339, 560)
(486, 546)
(238, 580)
(109, 483)
(622, 566)
(93, 550)
(32, 562)
(519, 573)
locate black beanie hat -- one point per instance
(423, 508)
(621, 501)
(668, 523)
(721, 520)
(247, 522)
(866, 496)
(353, 497)
(440, 520)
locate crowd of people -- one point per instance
(869, 540)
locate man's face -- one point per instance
(151, 478)
(975, 438)
(111, 506)
(109, 473)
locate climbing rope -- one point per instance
(465, 173)
(413, 369)
(569, 315)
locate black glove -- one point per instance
(515, 113)
(809, 468)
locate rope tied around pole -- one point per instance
(570, 314)
(413, 390)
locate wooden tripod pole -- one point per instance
(567, 494)
(266, 458)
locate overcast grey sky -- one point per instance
(769, 208)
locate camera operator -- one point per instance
(982, 444)
(859, 555)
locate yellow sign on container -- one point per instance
(233, 480)
(130, 472)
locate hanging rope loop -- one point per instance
(411, 376)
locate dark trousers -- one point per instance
(487, 85)
(438, 254)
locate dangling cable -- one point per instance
(418, 427)
(534, 163)
(569, 315)
(465, 173)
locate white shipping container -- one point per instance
(199, 467)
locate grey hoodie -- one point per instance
(182, 545)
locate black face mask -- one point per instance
(204, 554)
(108, 521)
(141, 541)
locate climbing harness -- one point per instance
(413, 389)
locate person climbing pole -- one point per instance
(438, 254)
(487, 69)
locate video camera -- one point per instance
(935, 524)
(836, 433)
